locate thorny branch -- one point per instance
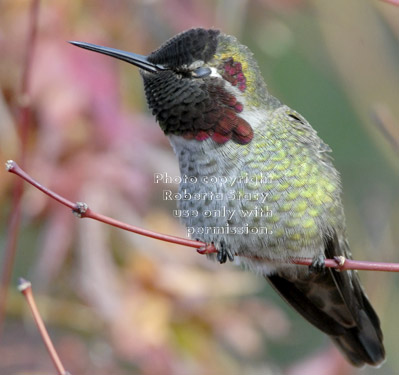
(83, 211)
(25, 288)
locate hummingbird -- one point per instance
(244, 152)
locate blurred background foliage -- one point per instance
(117, 303)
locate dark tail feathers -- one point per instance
(361, 343)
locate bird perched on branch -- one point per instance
(267, 189)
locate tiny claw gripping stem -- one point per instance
(318, 264)
(224, 253)
(80, 209)
(221, 256)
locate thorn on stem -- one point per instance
(80, 209)
(340, 260)
(10, 164)
(23, 284)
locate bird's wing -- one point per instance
(335, 302)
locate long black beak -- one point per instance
(132, 58)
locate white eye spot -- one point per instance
(215, 73)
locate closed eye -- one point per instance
(201, 72)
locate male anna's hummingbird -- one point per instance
(257, 181)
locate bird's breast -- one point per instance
(264, 199)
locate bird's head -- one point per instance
(198, 84)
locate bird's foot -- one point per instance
(318, 264)
(224, 253)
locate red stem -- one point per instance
(25, 288)
(81, 210)
(350, 264)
